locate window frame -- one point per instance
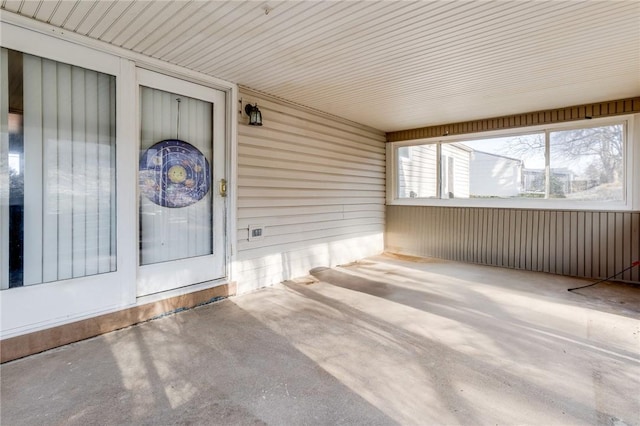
(631, 143)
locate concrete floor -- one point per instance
(382, 341)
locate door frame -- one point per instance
(164, 277)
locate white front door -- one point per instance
(180, 169)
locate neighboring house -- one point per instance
(416, 171)
(455, 170)
(464, 173)
(416, 177)
(494, 175)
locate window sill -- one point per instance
(538, 204)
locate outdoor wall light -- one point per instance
(255, 116)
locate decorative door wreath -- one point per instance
(174, 173)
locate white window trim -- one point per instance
(32, 308)
(631, 170)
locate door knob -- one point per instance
(223, 187)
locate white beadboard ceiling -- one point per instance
(391, 65)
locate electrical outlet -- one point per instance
(256, 232)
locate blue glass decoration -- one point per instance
(174, 173)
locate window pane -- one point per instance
(176, 201)
(454, 170)
(507, 167)
(417, 171)
(61, 167)
(587, 164)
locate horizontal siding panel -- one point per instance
(582, 244)
(298, 229)
(282, 124)
(315, 152)
(303, 164)
(292, 155)
(363, 207)
(275, 132)
(294, 193)
(261, 212)
(246, 172)
(366, 214)
(373, 216)
(371, 237)
(307, 184)
(243, 224)
(244, 201)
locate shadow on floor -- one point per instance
(611, 296)
(211, 365)
(377, 342)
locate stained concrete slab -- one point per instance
(387, 340)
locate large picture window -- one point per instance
(57, 169)
(571, 164)
(587, 163)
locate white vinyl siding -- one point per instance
(315, 183)
(417, 171)
(495, 175)
(454, 176)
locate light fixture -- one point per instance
(255, 116)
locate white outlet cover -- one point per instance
(256, 232)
